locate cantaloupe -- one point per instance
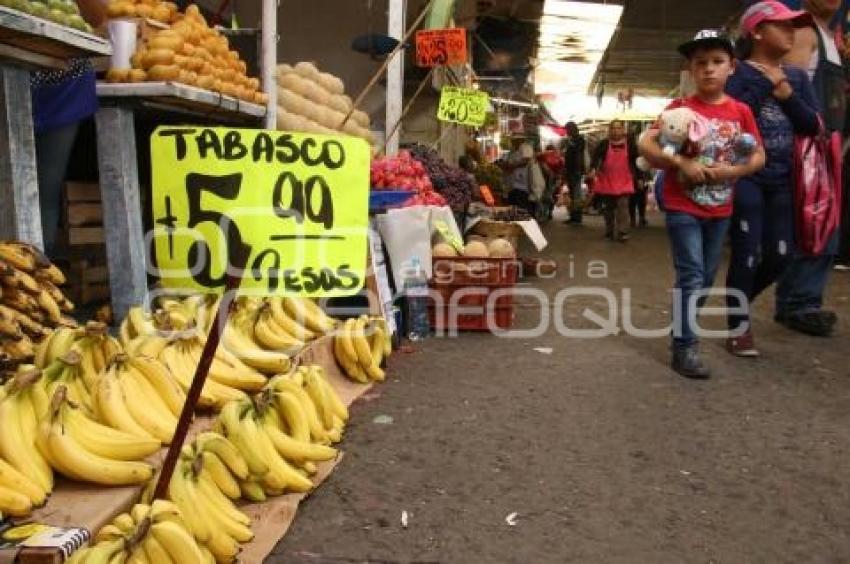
(501, 248)
(443, 250)
(476, 249)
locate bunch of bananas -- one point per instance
(30, 301)
(360, 347)
(25, 476)
(136, 396)
(203, 487)
(80, 448)
(93, 342)
(181, 357)
(155, 534)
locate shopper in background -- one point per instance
(60, 101)
(615, 177)
(552, 165)
(781, 98)
(575, 147)
(518, 173)
(698, 197)
(799, 294)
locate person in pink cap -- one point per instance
(782, 100)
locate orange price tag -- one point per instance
(437, 47)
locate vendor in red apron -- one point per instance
(614, 173)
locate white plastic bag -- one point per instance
(560, 213)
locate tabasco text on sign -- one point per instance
(295, 206)
(436, 47)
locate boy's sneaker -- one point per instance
(743, 346)
(842, 266)
(687, 362)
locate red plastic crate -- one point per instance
(464, 271)
(477, 279)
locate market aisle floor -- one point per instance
(603, 453)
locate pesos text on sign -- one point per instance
(463, 105)
(295, 205)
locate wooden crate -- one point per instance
(83, 236)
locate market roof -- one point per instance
(642, 54)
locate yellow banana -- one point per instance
(220, 474)
(163, 383)
(155, 552)
(177, 542)
(14, 480)
(105, 553)
(252, 490)
(106, 441)
(292, 326)
(139, 512)
(137, 556)
(164, 510)
(112, 406)
(124, 332)
(248, 352)
(83, 465)
(317, 393)
(290, 410)
(62, 341)
(281, 475)
(336, 404)
(139, 321)
(149, 411)
(125, 522)
(176, 362)
(361, 343)
(225, 450)
(14, 503)
(221, 372)
(182, 492)
(17, 445)
(351, 369)
(317, 430)
(223, 506)
(312, 315)
(271, 336)
(347, 340)
(108, 533)
(242, 431)
(291, 449)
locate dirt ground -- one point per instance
(601, 452)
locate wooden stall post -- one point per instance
(395, 76)
(122, 220)
(20, 212)
(269, 59)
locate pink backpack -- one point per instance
(817, 191)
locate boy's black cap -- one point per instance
(707, 39)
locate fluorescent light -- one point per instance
(578, 32)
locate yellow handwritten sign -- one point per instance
(294, 205)
(463, 105)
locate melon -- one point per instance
(443, 250)
(501, 248)
(476, 249)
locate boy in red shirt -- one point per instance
(698, 188)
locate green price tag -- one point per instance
(465, 106)
(452, 239)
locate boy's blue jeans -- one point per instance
(697, 246)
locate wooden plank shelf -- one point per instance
(181, 96)
(25, 34)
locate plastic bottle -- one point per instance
(416, 293)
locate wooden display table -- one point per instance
(28, 43)
(118, 162)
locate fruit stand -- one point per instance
(27, 43)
